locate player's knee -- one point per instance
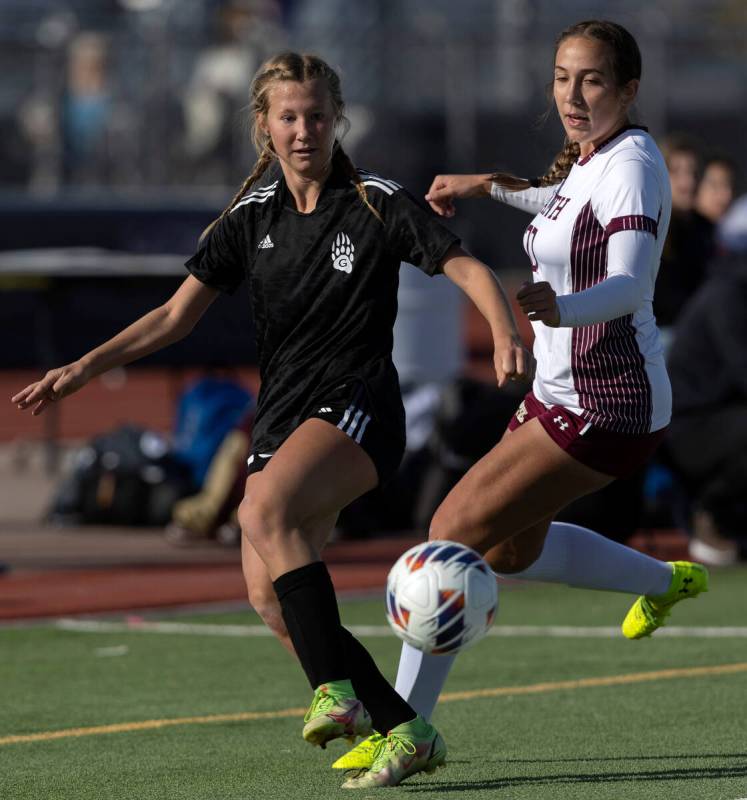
(262, 521)
(446, 524)
(513, 556)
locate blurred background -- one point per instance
(124, 132)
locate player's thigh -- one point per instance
(316, 472)
(525, 479)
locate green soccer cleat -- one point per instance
(409, 748)
(650, 612)
(335, 711)
(362, 755)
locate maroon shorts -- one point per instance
(617, 454)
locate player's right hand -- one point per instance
(55, 385)
(447, 188)
(513, 362)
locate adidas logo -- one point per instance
(265, 243)
(324, 410)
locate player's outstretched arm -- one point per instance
(512, 360)
(447, 188)
(160, 327)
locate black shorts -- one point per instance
(349, 408)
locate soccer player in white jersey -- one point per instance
(601, 400)
(320, 244)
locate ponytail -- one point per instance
(625, 62)
(564, 160)
(557, 172)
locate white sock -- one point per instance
(572, 555)
(420, 678)
(579, 557)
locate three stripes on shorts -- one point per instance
(355, 419)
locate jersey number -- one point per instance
(529, 237)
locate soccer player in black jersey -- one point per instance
(320, 244)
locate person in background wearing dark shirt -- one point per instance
(708, 369)
(689, 243)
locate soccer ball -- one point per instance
(441, 597)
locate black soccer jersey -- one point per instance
(323, 290)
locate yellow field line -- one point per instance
(585, 683)
(150, 724)
(505, 691)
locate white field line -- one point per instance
(508, 631)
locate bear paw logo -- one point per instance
(342, 253)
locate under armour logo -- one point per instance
(562, 424)
(685, 588)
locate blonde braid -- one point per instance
(343, 160)
(260, 167)
(292, 67)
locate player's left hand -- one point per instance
(538, 301)
(512, 361)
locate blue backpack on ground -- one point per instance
(207, 411)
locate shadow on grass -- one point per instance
(662, 757)
(689, 773)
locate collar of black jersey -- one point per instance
(337, 183)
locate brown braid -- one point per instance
(625, 63)
(343, 160)
(557, 171)
(562, 164)
(508, 181)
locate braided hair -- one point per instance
(625, 62)
(299, 68)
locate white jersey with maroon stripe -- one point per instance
(597, 239)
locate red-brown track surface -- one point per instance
(96, 570)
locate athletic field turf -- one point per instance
(132, 710)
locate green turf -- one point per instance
(680, 738)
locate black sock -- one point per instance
(309, 606)
(386, 707)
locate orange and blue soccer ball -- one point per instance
(441, 597)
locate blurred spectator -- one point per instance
(683, 158)
(211, 512)
(86, 106)
(15, 161)
(216, 143)
(88, 124)
(689, 243)
(715, 191)
(708, 370)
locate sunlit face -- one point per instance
(715, 191)
(300, 121)
(590, 103)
